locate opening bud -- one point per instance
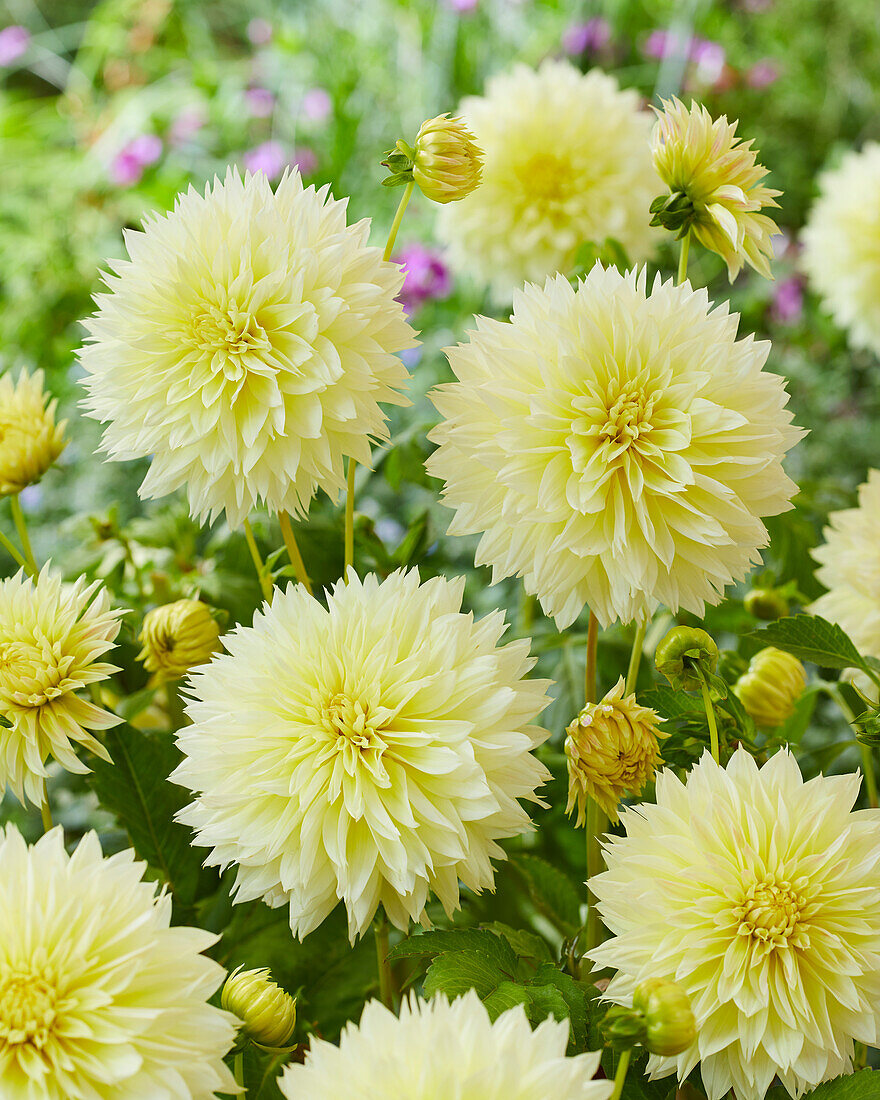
(176, 637)
(267, 1013)
(670, 1026)
(445, 161)
(30, 440)
(771, 686)
(766, 603)
(686, 657)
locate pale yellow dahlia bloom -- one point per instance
(246, 345)
(616, 446)
(841, 240)
(52, 635)
(567, 160)
(759, 894)
(436, 1049)
(612, 750)
(703, 159)
(367, 752)
(30, 440)
(178, 636)
(100, 997)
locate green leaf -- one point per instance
(261, 1073)
(458, 971)
(810, 638)
(552, 891)
(494, 949)
(672, 704)
(527, 945)
(579, 1000)
(864, 1085)
(506, 995)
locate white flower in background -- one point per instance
(246, 345)
(567, 160)
(370, 752)
(440, 1050)
(52, 635)
(616, 446)
(100, 998)
(841, 240)
(759, 894)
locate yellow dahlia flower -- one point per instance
(567, 160)
(51, 636)
(30, 440)
(100, 998)
(702, 159)
(771, 686)
(759, 894)
(366, 752)
(246, 345)
(441, 1049)
(178, 636)
(841, 240)
(616, 446)
(611, 749)
(267, 1013)
(448, 163)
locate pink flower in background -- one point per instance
(660, 44)
(14, 41)
(269, 158)
(305, 159)
(316, 104)
(426, 276)
(259, 31)
(788, 301)
(589, 37)
(260, 102)
(186, 125)
(129, 163)
(762, 74)
(462, 6)
(709, 59)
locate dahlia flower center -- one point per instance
(234, 339)
(355, 732)
(546, 179)
(27, 1009)
(33, 674)
(771, 913)
(629, 417)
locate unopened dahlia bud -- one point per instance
(267, 1012)
(623, 1028)
(766, 603)
(771, 687)
(612, 751)
(30, 440)
(176, 637)
(686, 656)
(448, 163)
(670, 1026)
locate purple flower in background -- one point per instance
(129, 163)
(763, 73)
(788, 301)
(462, 6)
(709, 58)
(269, 157)
(14, 41)
(305, 159)
(660, 44)
(589, 37)
(260, 102)
(425, 276)
(316, 104)
(259, 31)
(186, 125)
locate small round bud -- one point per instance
(771, 686)
(686, 656)
(30, 440)
(267, 1012)
(448, 163)
(623, 1028)
(766, 603)
(176, 637)
(670, 1026)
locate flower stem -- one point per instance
(595, 865)
(590, 673)
(238, 1071)
(21, 527)
(635, 658)
(386, 979)
(45, 812)
(710, 715)
(620, 1076)
(174, 705)
(867, 756)
(683, 259)
(14, 552)
(263, 576)
(398, 218)
(349, 519)
(299, 566)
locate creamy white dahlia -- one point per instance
(245, 346)
(759, 894)
(567, 160)
(440, 1050)
(615, 445)
(369, 752)
(100, 997)
(841, 240)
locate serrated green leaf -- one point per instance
(552, 891)
(456, 972)
(579, 1000)
(672, 704)
(506, 995)
(261, 1073)
(526, 945)
(864, 1085)
(811, 638)
(545, 1001)
(494, 949)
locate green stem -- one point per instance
(683, 259)
(635, 657)
(349, 519)
(21, 527)
(595, 865)
(527, 606)
(174, 705)
(710, 715)
(45, 811)
(263, 576)
(590, 671)
(867, 756)
(398, 218)
(299, 566)
(238, 1070)
(386, 978)
(620, 1076)
(14, 552)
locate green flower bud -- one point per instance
(670, 1026)
(771, 687)
(178, 636)
(623, 1028)
(686, 656)
(766, 603)
(448, 163)
(267, 1013)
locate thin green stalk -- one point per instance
(590, 671)
(596, 822)
(386, 978)
(398, 218)
(238, 1071)
(21, 527)
(710, 715)
(635, 657)
(867, 755)
(299, 566)
(620, 1076)
(45, 812)
(349, 519)
(527, 606)
(683, 259)
(14, 552)
(174, 705)
(264, 578)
